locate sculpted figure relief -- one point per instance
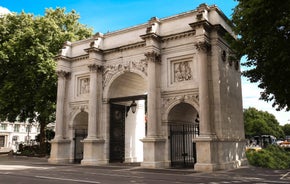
(182, 72)
(85, 86)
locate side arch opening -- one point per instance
(183, 127)
(80, 125)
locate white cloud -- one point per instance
(251, 94)
(3, 11)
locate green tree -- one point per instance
(263, 29)
(28, 45)
(261, 123)
(286, 129)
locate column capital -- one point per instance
(203, 46)
(96, 68)
(62, 74)
(153, 56)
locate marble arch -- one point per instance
(180, 59)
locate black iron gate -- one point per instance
(183, 149)
(117, 133)
(80, 135)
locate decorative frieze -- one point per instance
(140, 65)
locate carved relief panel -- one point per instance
(82, 85)
(181, 70)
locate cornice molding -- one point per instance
(71, 59)
(178, 35)
(126, 47)
(153, 36)
(203, 23)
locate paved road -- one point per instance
(22, 170)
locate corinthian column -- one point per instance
(93, 144)
(153, 59)
(204, 98)
(93, 107)
(61, 86)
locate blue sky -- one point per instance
(112, 15)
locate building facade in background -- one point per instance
(12, 134)
(165, 93)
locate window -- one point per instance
(2, 141)
(3, 127)
(28, 128)
(15, 138)
(16, 128)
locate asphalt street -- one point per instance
(25, 170)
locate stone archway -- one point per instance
(183, 127)
(80, 126)
(124, 89)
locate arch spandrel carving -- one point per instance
(76, 108)
(169, 101)
(111, 72)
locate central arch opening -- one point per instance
(127, 127)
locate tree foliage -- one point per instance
(273, 157)
(28, 45)
(261, 123)
(286, 129)
(263, 29)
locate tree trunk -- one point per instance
(43, 146)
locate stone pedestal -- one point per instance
(205, 154)
(59, 151)
(94, 152)
(154, 149)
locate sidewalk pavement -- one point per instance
(248, 172)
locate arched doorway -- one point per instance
(183, 126)
(80, 129)
(127, 127)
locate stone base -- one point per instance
(233, 165)
(216, 154)
(153, 148)
(205, 167)
(93, 152)
(59, 151)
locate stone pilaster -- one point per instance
(206, 142)
(153, 143)
(93, 108)
(59, 145)
(203, 49)
(93, 144)
(153, 60)
(61, 86)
